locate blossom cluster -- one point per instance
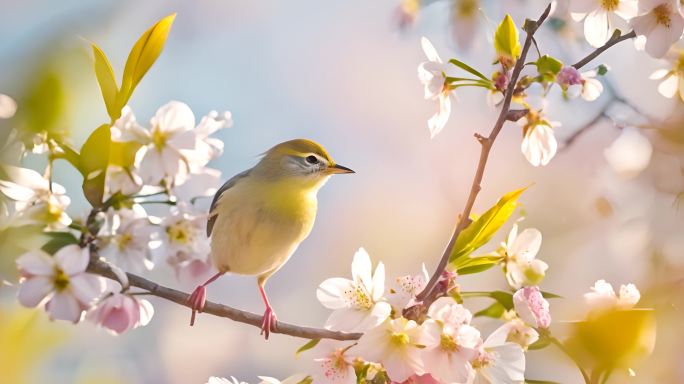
(170, 161)
(657, 24)
(447, 345)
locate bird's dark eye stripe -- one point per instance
(311, 159)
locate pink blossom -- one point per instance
(61, 279)
(532, 307)
(120, 313)
(569, 76)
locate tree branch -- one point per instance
(486, 145)
(101, 268)
(616, 38)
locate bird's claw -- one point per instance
(268, 323)
(197, 301)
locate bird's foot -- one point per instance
(197, 301)
(268, 323)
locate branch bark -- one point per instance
(101, 268)
(616, 38)
(486, 146)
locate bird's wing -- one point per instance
(228, 184)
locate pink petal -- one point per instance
(72, 259)
(36, 263)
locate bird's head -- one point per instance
(298, 160)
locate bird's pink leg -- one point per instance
(268, 323)
(199, 297)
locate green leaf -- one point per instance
(602, 69)
(469, 69)
(58, 240)
(549, 295)
(123, 153)
(480, 231)
(495, 310)
(107, 82)
(310, 344)
(43, 106)
(506, 41)
(93, 164)
(543, 342)
(470, 265)
(144, 53)
(548, 65)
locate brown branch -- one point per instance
(616, 38)
(486, 145)
(101, 268)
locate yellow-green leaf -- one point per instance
(310, 344)
(481, 230)
(470, 265)
(506, 40)
(123, 153)
(107, 82)
(93, 164)
(144, 53)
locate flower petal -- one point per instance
(72, 259)
(33, 290)
(36, 263)
(64, 306)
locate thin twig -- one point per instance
(486, 145)
(101, 268)
(612, 41)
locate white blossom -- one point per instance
(499, 361)
(406, 288)
(532, 307)
(599, 17)
(602, 296)
(60, 281)
(396, 344)
(539, 144)
(517, 331)
(520, 263)
(432, 75)
(661, 23)
(672, 80)
(332, 364)
(356, 303)
(182, 236)
(127, 238)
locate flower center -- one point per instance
(399, 339)
(179, 233)
(124, 240)
(447, 343)
(158, 138)
(610, 5)
(61, 280)
(358, 297)
(662, 14)
(483, 359)
(466, 8)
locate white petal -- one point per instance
(174, 116)
(146, 312)
(330, 292)
(429, 50)
(591, 89)
(596, 28)
(72, 259)
(527, 244)
(63, 306)
(658, 41)
(152, 166)
(36, 263)
(582, 6)
(668, 87)
(86, 287)
(361, 268)
(437, 122)
(33, 290)
(378, 284)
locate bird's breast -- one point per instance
(258, 227)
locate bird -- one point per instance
(258, 218)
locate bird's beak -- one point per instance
(339, 169)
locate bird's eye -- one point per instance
(311, 159)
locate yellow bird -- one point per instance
(259, 217)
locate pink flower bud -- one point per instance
(120, 313)
(501, 81)
(531, 307)
(569, 76)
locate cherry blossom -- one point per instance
(294, 379)
(450, 341)
(60, 281)
(465, 21)
(223, 380)
(539, 144)
(333, 365)
(127, 238)
(357, 303)
(432, 75)
(532, 307)
(118, 313)
(602, 296)
(122, 180)
(517, 331)
(599, 17)
(181, 237)
(519, 252)
(499, 361)
(672, 80)
(661, 23)
(406, 288)
(396, 344)
(574, 83)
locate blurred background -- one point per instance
(344, 74)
